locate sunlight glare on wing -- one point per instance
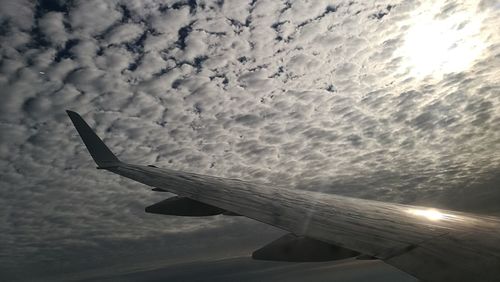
(430, 214)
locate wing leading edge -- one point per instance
(432, 245)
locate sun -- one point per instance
(438, 43)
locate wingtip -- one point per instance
(70, 113)
(96, 147)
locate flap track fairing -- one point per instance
(301, 249)
(182, 206)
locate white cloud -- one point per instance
(90, 18)
(52, 27)
(169, 23)
(114, 59)
(124, 33)
(19, 13)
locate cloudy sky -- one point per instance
(393, 100)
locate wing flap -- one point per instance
(301, 249)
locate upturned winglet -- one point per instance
(101, 154)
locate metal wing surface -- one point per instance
(430, 244)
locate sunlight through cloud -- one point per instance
(436, 44)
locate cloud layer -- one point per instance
(314, 95)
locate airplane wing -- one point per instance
(430, 244)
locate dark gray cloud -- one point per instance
(321, 96)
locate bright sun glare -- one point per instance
(430, 214)
(437, 44)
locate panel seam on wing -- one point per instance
(411, 247)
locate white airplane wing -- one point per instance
(430, 244)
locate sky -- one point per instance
(395, 101)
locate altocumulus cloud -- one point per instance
(305, 94)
